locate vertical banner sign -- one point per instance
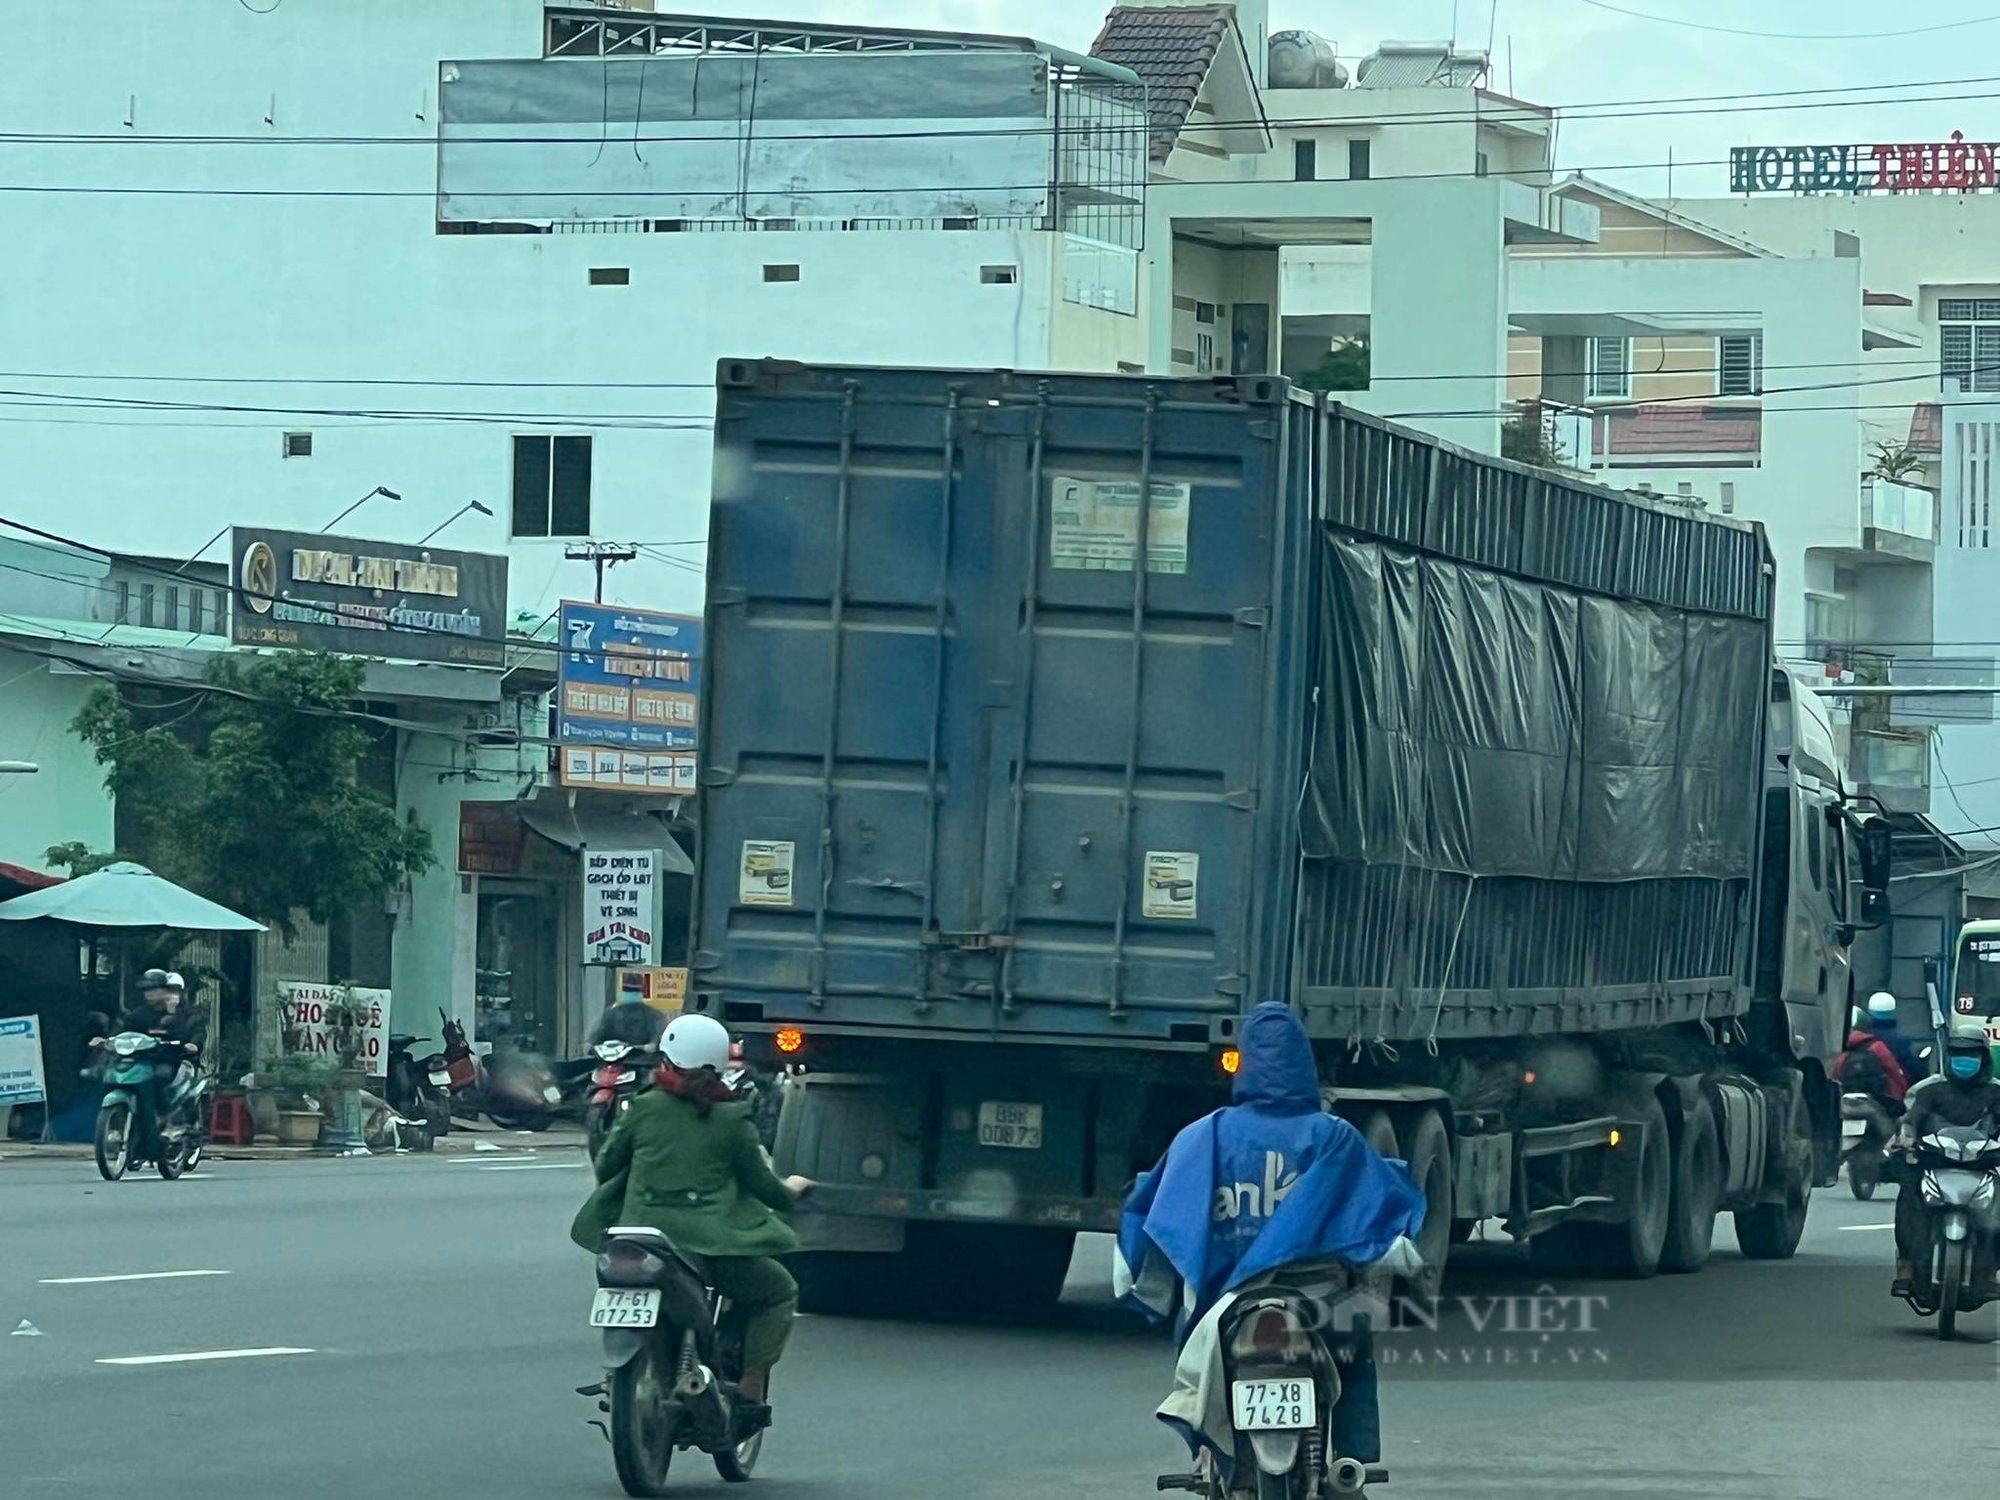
(618, 905)
(22, 1080)
(319, 1025)
(627, 685)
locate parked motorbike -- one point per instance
(142, 1118)
(1958, 1173)
(1865, 1131)
(671, 1362)
(516, 1090)
(419, 1089)
(624, 1072)
(1283, 1383)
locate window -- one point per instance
(1305, 161)
(146, 604)
(551, 486)
(781, 273)
(218, 611)
(1969, 340)
(1739, 359)
(298, 445)
(1610, 369)
(195, 622)
(1480, 164)
(610, 275)
(998, 275)
(1204, 353)
(1357, 160)
(172, 618)
(124, 603)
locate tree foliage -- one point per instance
(1526, 439)
(1345, 368)
(1897, 461)
(257, 797)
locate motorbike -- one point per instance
(142, 1119)
(1865, 1131)
(516, 1090)
(672, 1363)
(1958, 1173)
(623, 1073)
(748, 1086)
(1284, 1380)
(419, 1089)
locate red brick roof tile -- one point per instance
(1172, 48)
(1661, 427)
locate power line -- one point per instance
(1792, 36)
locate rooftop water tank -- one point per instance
(1304, 60)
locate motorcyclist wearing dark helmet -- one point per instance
(1963, 1092)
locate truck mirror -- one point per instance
(1876, 840)
(1933, 974)
(1874, 907)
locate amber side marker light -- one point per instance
(790, 1040)
(1231, 1060)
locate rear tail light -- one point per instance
(1267, 1336)
(791, 1041)
(623, 1262)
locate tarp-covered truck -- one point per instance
(1018, 793)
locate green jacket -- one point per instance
(701, 1179)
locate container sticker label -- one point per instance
(1172, 883)
(1095, 526)
(766, 876)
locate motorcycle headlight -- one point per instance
(1932, 1192)
(612, 1051)
(125, 1046)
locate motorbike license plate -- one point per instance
(1015, 1126)
(1272, 1405)
(441, 1078)
(614, 1308)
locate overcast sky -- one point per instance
(1573, 52)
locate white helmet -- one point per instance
(694, 1042)
(1881, 1004)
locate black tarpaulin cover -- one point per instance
(1477, 723)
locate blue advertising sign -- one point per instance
(21, 1078)
(627, 686)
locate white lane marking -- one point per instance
(472, 1161)
(129, 1276)
(201, 1355)
(1851, 1228)
(540, 1166)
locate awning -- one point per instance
(596, 828)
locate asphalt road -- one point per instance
(436, 1310)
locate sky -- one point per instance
(1585, 52)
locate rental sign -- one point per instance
(1953, 166)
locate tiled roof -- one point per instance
(1172, 48)
(1927, 428)
(1660, 427)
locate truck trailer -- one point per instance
(1050, 723)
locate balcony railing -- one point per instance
(1905, 509)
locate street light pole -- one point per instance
(469, 505)
(18, 768)
(378, 490)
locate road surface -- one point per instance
(415, 1327)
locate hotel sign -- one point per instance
(1953, 166)
(308, 591)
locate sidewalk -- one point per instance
(463, 1137)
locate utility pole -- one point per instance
(604, 555)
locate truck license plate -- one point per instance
(1272, 1405)
(1015, 1126)
(612, 1308)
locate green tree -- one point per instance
(1345, 368)
(1526, 440)
(1897, 461)
(256, 798)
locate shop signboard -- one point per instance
(312, 1020)
(311, 592)
(663, 989)
(22, 1080)
(620, 907)
(628, 682)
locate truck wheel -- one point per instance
(1632, 1249)
(1772, 1231)
(1430, 1164)
(1380, 1132)
(1697, 1190)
